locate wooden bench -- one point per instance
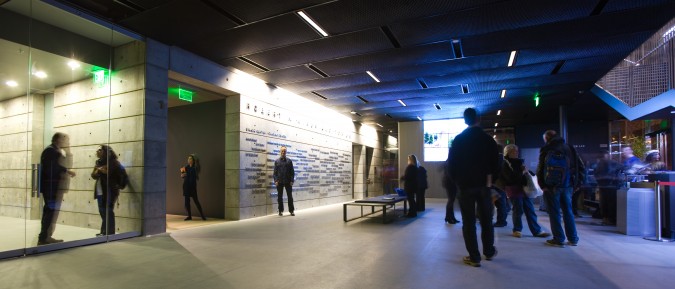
(379, 201)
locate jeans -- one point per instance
(107, 214)
(50, 211)
(471, 199)
(524, 205)
(280, 197)
(502, 205)
(558, 199)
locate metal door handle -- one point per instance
(35, 180)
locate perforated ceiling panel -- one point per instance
(563, 47)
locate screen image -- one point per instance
(438, 136)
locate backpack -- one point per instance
(124, 178)
(422, 177)
(557, 170)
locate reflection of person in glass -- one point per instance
(190, 175)
(53, 171)
(283, 175)
(108, 175)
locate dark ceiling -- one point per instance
(422, 51)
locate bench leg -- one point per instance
(344, 212)
(384, 214)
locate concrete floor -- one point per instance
(316, 249)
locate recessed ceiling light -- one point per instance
(352, 112)
(11, 83)
(437, 106)
(496, 124)
(512, 58)
(499, 112)
(378, 124)
(494, 136)
(312, 23)
(503, 93)
(73, 64)
(419, 118)
(372, 76)
(40, 74)
(402, 103)
(672, 111)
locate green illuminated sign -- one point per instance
(536, 99)
(185, 94)
(100, 75)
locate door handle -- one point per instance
(35, 180)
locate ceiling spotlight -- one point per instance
(402, 103)
(11, 83)
(503, 93)
(437, 106)
(419, 118)
(40, 74)
(494, 136)
(378, 124)
(512, 58)
(499, 112)
(496, 124)
(352, 112)
(73, 64)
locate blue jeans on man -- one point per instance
(479, 198)
(523, 205)
(557, 200)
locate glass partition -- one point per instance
(71, 140)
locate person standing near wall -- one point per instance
(190, 175)
(451, 191)
(53, 172)
(411, 184)
(423, 186)
(607, 175)
(284, 175)
(474, 160)
(108, 175)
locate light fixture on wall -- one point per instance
(11, 83)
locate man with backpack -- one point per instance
(559, 172)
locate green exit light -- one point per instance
(536, 99)
(100, 76)
(185, 94)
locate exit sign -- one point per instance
(185, 94)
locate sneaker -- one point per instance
(281, 213)
(573, 243)
(489, 258)
(542, 234)
(555, 243)
(517, 234)
(292, 214)
(467, 260)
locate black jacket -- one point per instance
(411, 179)
(283, 171)
(473, 157)
(52, 169)
(512, 175)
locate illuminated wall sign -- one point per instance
(185, 94)
(100, 75)
(536, 99)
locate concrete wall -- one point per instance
(197, 128)
(262, 118)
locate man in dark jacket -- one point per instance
(284, 175)
(474, 159)
(53, 171)
(557, 179)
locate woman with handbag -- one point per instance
(512, 178)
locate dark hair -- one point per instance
(198, 167)
(650, 157)
(108, 152)
(57, 136)
(470, 116)
(549, 134)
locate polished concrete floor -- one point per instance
(316, 249)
